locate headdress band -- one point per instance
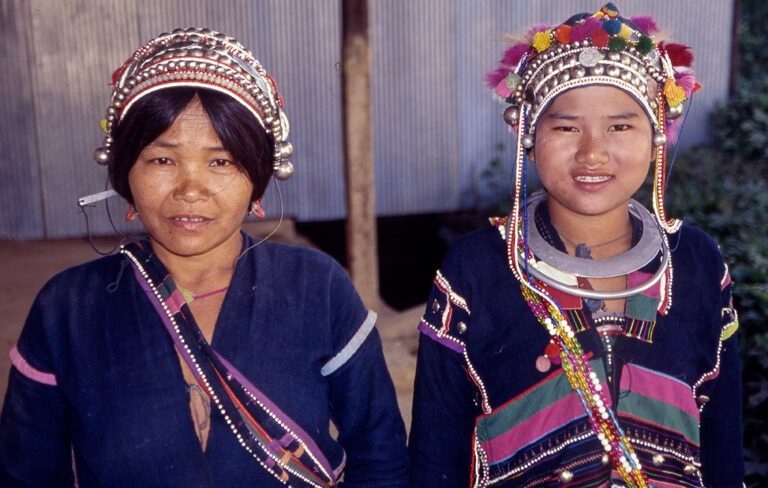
(200, 58)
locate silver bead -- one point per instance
(659, 139)
(284, 171)
(578, 72)
(598, 70)
(563, 77)
(461, 327)
(613, 71)
(285, 149)
(605, 459)
(511, 114)
(527, 141)
(675, 112)
(101, 155)
(565, 477)
(658, 459)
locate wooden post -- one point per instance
(362, 248)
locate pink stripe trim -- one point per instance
(659, 387)
(29, 371)
(534, 427)
(174, 301)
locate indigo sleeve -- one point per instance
(440, 442)
(363, 400)
(35, 446)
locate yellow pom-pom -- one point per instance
(675, 95)
(103, 125)
(625, 31)
(542, 40)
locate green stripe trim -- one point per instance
(659, 413)
(518, 410)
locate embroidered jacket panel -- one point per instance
(117, 406)
(485, 415)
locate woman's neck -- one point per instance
(203, 272)
(603, 236)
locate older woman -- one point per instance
(200, 356)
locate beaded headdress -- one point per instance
(200, 58)
(597, 49)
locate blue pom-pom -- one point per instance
(611, 6)
(612, 26)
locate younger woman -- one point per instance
(583, 340)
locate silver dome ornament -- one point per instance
(285, 150)
(510, 115)
(284, 170)
(658, 459)
(101, 156)
(659, 139)
(527, 141)
(675, 112)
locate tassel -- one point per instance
(679, 54)
(646, 24)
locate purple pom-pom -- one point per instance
(646, 24)
(492, 78)
(514, 54)
(582, 31)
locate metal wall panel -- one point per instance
(436, 126)
(20, 196)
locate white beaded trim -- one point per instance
(212, 394)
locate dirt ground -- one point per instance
(25, 266)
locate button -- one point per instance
(565, 477)
(606, 459)
(435, 306)
(658, 459)
(461, 327)
(689, 470)
(703, 399)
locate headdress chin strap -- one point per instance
(200, 58)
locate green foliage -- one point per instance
(728, 198)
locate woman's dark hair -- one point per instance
(239, 131)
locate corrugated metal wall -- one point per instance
(435, 124)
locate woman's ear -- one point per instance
(532, 154)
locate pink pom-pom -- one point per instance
(494, 77)
(502, 89)
(581, 32)
(514, 54)
(673, 130)
(646, 24)
(687, 82)
(536, 29)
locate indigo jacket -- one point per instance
(97, 394)
(485, 415)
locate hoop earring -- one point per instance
(256, 209)
(132, 214)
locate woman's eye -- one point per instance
(620, 127)
(221, 163)
(565, 128)
(160, 161)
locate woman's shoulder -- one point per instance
(85, 276)
(693, 243)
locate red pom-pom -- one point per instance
(679, 54)
(563, 34)
(600, 38)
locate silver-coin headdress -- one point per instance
(598, 49)
(200, 58)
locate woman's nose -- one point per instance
(592, 151)
(191, 185)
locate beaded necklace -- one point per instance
(580, 374)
